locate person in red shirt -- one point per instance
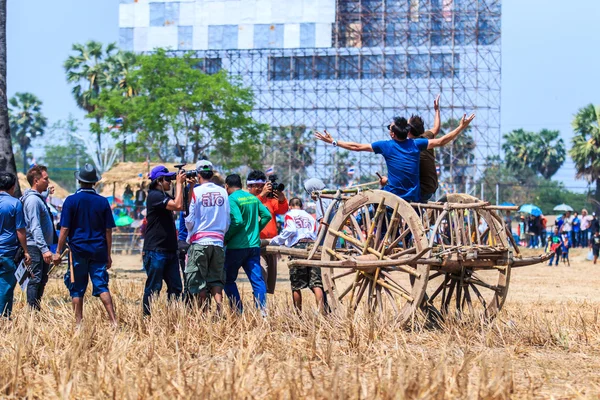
(277, 204)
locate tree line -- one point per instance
(160, 107)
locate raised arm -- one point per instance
(352, 146)
(444, 140)
(177, 203)
(437, 121)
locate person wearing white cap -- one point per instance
(207, 222)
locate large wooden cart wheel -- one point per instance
(477, 287)
(371, 226)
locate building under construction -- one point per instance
(345, 65)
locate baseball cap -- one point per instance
(204, 165)
(160, 171)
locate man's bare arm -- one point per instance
(437, 121)
(177, 204)
(109, 247)
(444, 140)
(62, 240)
(352, 146)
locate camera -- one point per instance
(275, 186)
(188, 174)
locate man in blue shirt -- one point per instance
(401, 154)
(12, 233)
(87, 221)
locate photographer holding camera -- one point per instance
(160, 242)
(270, 194)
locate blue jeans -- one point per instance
(7, 285)
(161, 266)
(84, 270)
(249, 260)
(37, 283)
(555, 256)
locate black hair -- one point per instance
(400, 128)
(295, 202)
(7, 181)
(154, 183)
(257, 175)
(206, 175)
(417, 124)
(233, 181)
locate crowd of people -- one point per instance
(220, 229)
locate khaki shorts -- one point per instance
(205, 267)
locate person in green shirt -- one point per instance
(248, 217)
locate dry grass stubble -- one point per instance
(536, 349)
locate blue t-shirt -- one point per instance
(88, 216)
(576, 224)
(11, 219)
(402, 159)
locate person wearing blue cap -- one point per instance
(160, 241)
(87, 221)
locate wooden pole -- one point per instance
(71, 270)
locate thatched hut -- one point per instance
(59, 191)
(133, 174)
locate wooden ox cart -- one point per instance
(391, 256)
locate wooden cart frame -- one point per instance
(449, 257)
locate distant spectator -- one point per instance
(140, 200)
(594, 225)
(128, 196)
(596, 246)
(584, 236)
(508, 221)
(554, 247)
(566, 245)
(543, 227)
(576, 229)
(12, 234)
(522, 231)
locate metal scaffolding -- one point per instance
(388, 58)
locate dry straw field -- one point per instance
(545, 344)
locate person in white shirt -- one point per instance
(567, 225)
(207, 222)
(300, 229)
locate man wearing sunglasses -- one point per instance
(401, 154)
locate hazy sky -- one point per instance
(550, 58)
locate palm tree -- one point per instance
(7, 158)
(120, 68)
(529, 153)
(26, 121)
(586, 146)
(550, 153)
(90, 72)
